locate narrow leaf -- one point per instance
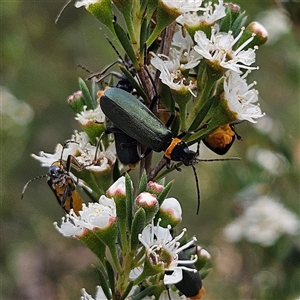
(127, 291)
(125, 42)
(146, 292)
(134, 83)
(164, 193)
(103, 282)
(129, 201)
(143, 183)
(110, 274)
(138, 225)
(88, 99)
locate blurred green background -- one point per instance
(39, 67)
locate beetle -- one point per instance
(191, 284)
(221, 140)
(62, 185)
(126, 146)
(136, 120)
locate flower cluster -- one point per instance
(14, 113)
(263, 222)
(187, 59)
(144, 253)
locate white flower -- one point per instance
(209, 17)
(219, 50)
(263, 222)
(99, 294)
(85, 3)
(99, 215)
(240, 97)
(182, 42)
(162, 249)
(91, 115)
(172, 207)
(171, 70)
(84, 153)
(117, 188)
(135, 273)
(77, 143)
(68, 228)
(183, 6)
(273, 162)
(14, 111)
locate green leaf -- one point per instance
(238, 24)
(225, 24)
(133, 82)
(164, 193)
(138, 224)
(202, 114)
(151, 8)
(110, 274)
(94, 244)
(94, 89)
(205, 273)
(127, 291)
(103, 282)
(125, 42)
(146, 292)
(88, 99)
(129, 201)
(143, 183)
(143, 37)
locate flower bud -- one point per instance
(149, 203)
(170, 213)
(261, 34)
(76, 102)
(233, 11)
(256, 32)
(203, 257)
(117, 189)
(118, 192)
(154, 188)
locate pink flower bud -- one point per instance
(154, 187)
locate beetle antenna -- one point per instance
(198, 149)
(217, 159)
(197, 187)
(85, 69)
(98, 146)
(64, 147)
(61, 11)
(155, 98)
(26, 185)
(116, 50)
